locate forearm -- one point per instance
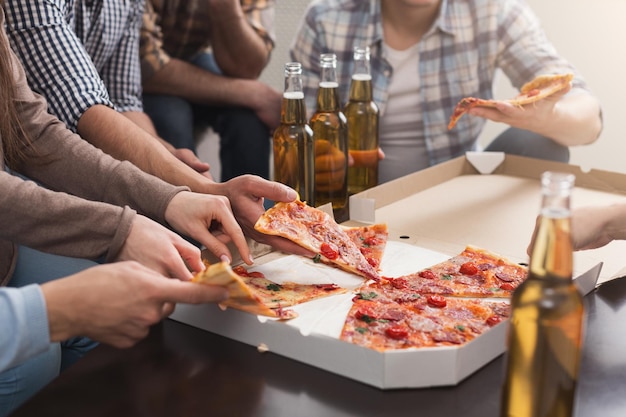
(143, 121)
(575, 120)
(238, 49)
(124, 140)
(200, 86)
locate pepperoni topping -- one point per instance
(503, 276)
(399, 283)
(397, 332)
(329, 251)
(493, 320)
(327, 287)
(436, 301)
(428, 274)
(469, 268)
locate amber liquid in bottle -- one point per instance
(294, 163)
(546, 325)
(330, 133)
(362, 115)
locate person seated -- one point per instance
(96, 92)
(200, 64)
(67, 206)
(428, 55)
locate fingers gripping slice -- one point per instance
(539, 88)
(240, 296)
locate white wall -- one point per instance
(589, 33)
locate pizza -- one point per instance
(533, 91)
(240, 296)
(474, 272)
(371, 241)
(286, 294)
(318, 232)
(447, 304)
(426, 321)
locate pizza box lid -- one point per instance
(489, 200)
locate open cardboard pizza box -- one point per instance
(487, 200)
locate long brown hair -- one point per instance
(12, 132)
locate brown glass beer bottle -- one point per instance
(362, 114)
(330, 133)
(546, 325)
(294, 163)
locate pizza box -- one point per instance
(489, 200)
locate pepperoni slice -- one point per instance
(399, 283)
(507, 286)
(330, 251)
(371, 241)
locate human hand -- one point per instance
(330, 166)
(188, 157)
(209, 220)
(594, 227)
(117, 303)
(364, 158)
(534, 116)
(246, 194)
(160, 249)
(266, 103)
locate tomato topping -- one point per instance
(256, 274)
(370, 241)
(397, 332)
(436, 301)
(428, 274)
(469, 268)
(507, 286)
(365, 314)
(241, 271)
(373, 262)
(493, 320)
(399, 283)
(329, 251)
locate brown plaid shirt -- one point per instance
(180, 29)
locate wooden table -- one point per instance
(183, 371)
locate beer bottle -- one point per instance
(545, 332)
(330, 135)
(362, 114)
(294, 163)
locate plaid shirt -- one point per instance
(79, 53)
(458, 57)
(180, 29)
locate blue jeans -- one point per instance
(19, 383)
(244, 138)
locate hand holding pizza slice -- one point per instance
(538, 89)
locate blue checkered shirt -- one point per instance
(458, 57)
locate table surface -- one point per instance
(179, 370)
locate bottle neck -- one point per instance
(361, 88)
(551, 254)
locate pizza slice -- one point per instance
(240, 296)
(371, 241)
(287, 294)
(474, 272)
(537, 89)
(427, 321)
(318, 232)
